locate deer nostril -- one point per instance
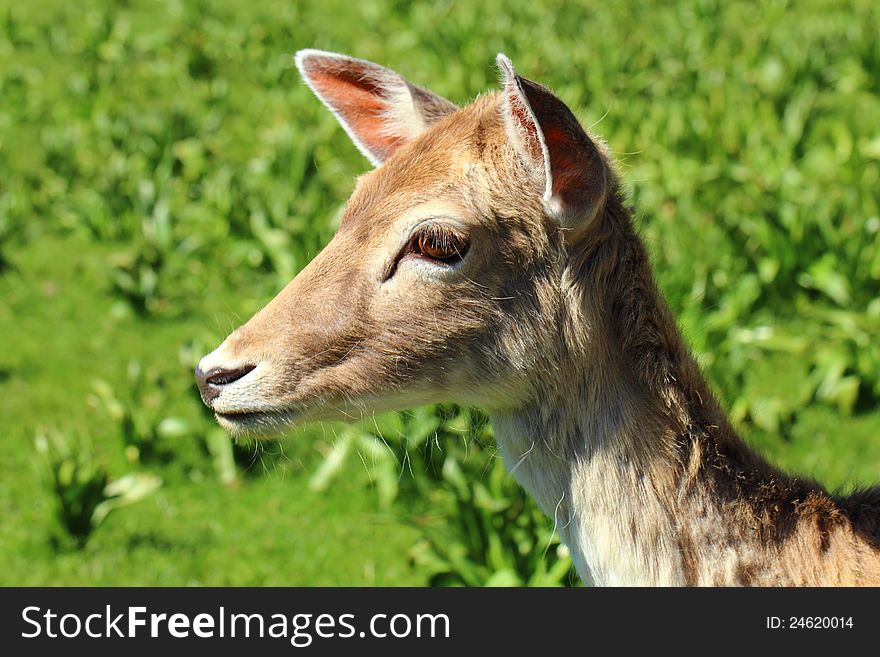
(220, 377)
(210, 382)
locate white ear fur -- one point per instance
(395, 110)
(518, 104)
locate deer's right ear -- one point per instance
(548, 137)
(378, 108)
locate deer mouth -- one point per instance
(255, 424)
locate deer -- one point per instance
(490, 259)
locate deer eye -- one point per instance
(440, 245)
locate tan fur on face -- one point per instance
(553, 323)
(339, 333)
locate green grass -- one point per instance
(163, 172)
(271, 529)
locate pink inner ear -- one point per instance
(358, 98)
(522, 117)
(568, 172)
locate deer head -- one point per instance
(447, 277)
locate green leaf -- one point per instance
(332, 464)
(125, 491)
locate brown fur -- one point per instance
(557, 328)
(815, 538)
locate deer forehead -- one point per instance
(462, 167)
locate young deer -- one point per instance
(490, 259)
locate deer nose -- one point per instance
(211, 382)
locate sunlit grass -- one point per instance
(163, 172)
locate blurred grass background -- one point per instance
(163, 172)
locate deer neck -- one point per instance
(590, 470)
(613, 448)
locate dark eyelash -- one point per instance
(445, 239)
(440, 240)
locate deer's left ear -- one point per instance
(553, 144)
(378, 108)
